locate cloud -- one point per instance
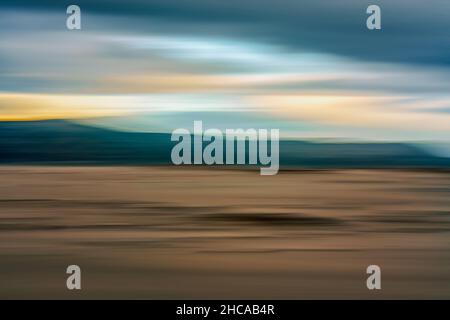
(306, 61)
(413, 31)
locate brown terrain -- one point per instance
(173, 232)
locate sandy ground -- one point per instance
(146, 232)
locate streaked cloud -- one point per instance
(307, 62)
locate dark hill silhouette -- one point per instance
(65, 142)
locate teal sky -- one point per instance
(309, 68)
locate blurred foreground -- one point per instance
(172, 232)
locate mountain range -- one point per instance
(66, 142)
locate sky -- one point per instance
(308, 67)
